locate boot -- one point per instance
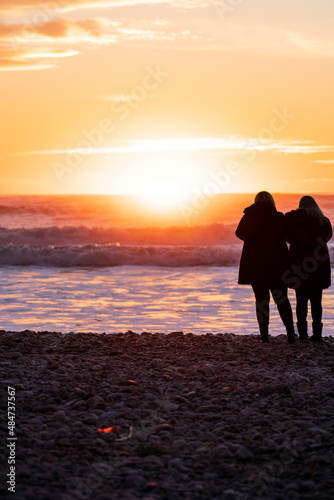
(317, 331)
(302, 330)
(264, 333)
(290, 333)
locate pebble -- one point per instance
(59, 416)
(12, 355)
(210, 417)
(231, 495)
(171, 407)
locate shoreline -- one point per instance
(130, 416)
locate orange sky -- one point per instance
(149, 97)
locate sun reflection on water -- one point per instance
(111, 300)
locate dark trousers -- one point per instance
(315, 297)
(262, 299)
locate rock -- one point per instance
(188, 415)
(246, 412)
(221, 451)
(243, 453)
(231, 495)
(152, 462)
(136, 481)
(91, 419)
(12, 355)
(155, 363)
(171, 407)
(201, 450)
(208, 408)
(209, 371)
(175, 335)
(296, 378)
(53, 365)
(318, 430)
(38, 420)
(44, 408)
(59, 416)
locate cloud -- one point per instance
(118, 98)
(19, 43)
(216, 144)
(302, 147)
(29, 61)
(44, 54)
(244, 37)
(66, 5)
(55, 28)
(22, 39)
(61, 28)
(312, 179)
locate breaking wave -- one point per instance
(118, 255)
(208, 245)
(211, 234)
(73, 246)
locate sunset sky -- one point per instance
(164, 98)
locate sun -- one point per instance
(162, 182)
(164, 193)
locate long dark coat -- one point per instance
(265, 256)
(308, 251)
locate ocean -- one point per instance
(100, 263)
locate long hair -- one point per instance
(264, 196)
(312, 208)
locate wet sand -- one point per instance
(154, 416)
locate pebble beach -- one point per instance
(167, 416)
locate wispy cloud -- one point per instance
(67, 5)
(217, 144)
(312, 180)
(118, 98)
(266, 40)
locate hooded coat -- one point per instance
(308, 251)
(265, 255)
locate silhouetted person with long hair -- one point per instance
(309, 230)
(264, 260)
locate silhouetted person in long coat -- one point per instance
(264, 260)
(309, 230)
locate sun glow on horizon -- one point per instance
(165, 194)
(162, 181)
